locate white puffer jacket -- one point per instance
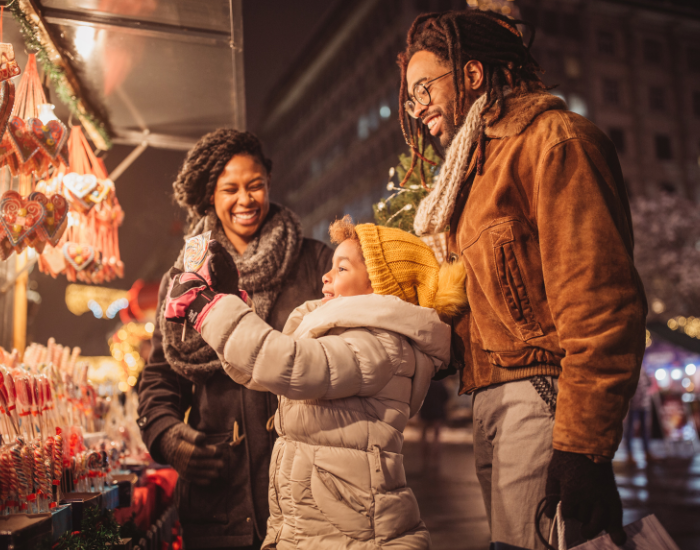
(349, 374)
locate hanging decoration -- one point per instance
(31, 146)
(89, 249)
(38, 40)
(74, 210)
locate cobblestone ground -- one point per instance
(450, 501)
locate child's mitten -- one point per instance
(192, 294)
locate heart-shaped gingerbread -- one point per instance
(7, 102)
(6, 248)
(22, 140)
(6, 148)
(8, 64)
(56, 216)
(80, 185)
(20, 217)
(51, 136)
(78, 255)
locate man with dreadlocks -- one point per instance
(537, 211)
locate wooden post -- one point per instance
(19, 332)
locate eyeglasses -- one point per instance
(421, 94)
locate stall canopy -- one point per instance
(162, 72)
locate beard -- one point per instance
(449, 128)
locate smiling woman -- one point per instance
(223, 452)
(242, 199)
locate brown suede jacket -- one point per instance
(546, 236)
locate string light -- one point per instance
(689, 325)
(125, 347)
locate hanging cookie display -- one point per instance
(90, 245)
(20, 218)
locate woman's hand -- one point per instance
(184, 449)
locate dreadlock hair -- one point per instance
(204, 164)
(457, 37)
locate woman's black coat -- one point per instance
(229, 511)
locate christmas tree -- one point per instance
(399, 209)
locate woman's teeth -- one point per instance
(246, 215)
(327, 295)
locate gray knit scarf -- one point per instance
(263, 267)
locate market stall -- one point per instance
(77, 76)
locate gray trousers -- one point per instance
(512, 448)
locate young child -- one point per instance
(349, 370)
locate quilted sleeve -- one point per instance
(356, 362)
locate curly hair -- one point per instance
(342, 230)
(204, 164)
(457, 37)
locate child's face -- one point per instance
(348, 277)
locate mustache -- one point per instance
(431, 113)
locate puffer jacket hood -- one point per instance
(349, 374)
(421, 326)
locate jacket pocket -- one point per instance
(512, 283)
(343, 504)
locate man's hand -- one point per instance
(588, 493)
(183, 447)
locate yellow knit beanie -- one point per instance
(399, 264)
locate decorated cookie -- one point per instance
(51, 137)
(22, 140)
(78, 255)
(8, 65)
(7, 102)
(20, 217)
(56, 217)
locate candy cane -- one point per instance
(28, 472)
(41, 482)
(9, 474)
(25, 402)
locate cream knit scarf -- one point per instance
(435, 211)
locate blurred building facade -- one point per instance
(632, 67)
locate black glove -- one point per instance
(183, 448)
(588, 493)
(222, 269)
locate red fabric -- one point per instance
(144, 507)
(166, 479)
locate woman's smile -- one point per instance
(246, 217)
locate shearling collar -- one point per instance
(519, 111)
